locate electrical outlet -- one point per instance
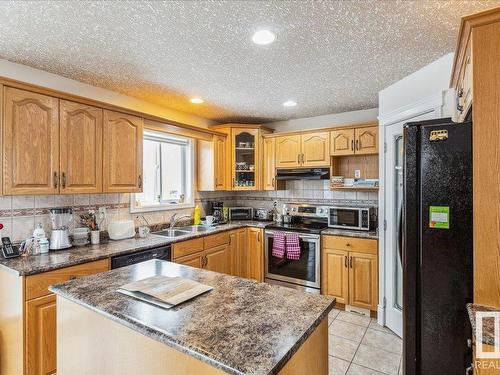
(357, 173)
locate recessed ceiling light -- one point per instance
(196, 100)
(263, 37)
(289, 103)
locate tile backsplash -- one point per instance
(20, 214)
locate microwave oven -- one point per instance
(357, 218)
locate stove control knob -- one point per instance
(293, 209)
(320, 210)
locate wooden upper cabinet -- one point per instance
(288, 151)
(81, 148)
(363, 280)
(342, 142)
(246, 157)
(220, 162)
(269, 181)
(366, 140)
(30, 143)
(211, 159)
(315, 149)
(41, 336)
(122, 156)
(335, 274)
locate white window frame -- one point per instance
(190, 191)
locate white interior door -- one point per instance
(393, 209)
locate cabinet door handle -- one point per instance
(64, 180)
(56, 180)
(298, 158)
(140, 181)
(258, 237)
(350, 262)
(460, 93)
(352, 144)
(72, 277)
(273, 181)
(302, 158)
(234, 183)
(345, 261)
(357, 145)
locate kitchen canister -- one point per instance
(95, 237)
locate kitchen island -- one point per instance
(240, 327)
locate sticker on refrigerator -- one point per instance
(439, 217)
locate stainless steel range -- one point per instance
(307, 221)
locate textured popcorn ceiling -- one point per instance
(329, 56)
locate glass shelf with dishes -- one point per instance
(244, 175)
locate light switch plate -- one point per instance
(357, 173)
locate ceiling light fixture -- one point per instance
(196, 100)
(289, 103)
(263, 37)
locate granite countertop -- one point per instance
(373, 234)
(30, 265)
(241, 326)
(488, 323)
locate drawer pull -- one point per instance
(72, 277)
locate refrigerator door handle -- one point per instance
(400, 234)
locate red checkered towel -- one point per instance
(292, 246)
(278, 245)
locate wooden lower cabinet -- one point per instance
(335, 274)
(363, 280)
(350, 276)
(41, 335)
(239, 252)
(217, 259)
(194, 260)
(255, 251)
(40, 315)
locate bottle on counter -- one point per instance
(39, 232)
(197, 215)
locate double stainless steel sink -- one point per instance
(183, 231)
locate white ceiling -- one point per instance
(329, 56)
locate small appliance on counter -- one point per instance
(240, 213)
(356, 218)
(218, 212)
(61, 219)
(263, 214)
(121, 229)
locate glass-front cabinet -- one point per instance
(245, 155)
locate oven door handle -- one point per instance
(301, 235)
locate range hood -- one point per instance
(303, 174)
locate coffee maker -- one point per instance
(218, 212)
(61, 219)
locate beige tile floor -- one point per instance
(359, 346)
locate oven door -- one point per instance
(305, 271)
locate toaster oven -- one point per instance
(240, 213)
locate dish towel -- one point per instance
(278, 245)
(292, 246)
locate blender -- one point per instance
(61, 219)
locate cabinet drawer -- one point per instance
(216, 240)
(184, 248)
(37, 285)
(361, 245)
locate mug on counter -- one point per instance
(143, 231)
(210, 220)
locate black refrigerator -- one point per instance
(436, 234)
